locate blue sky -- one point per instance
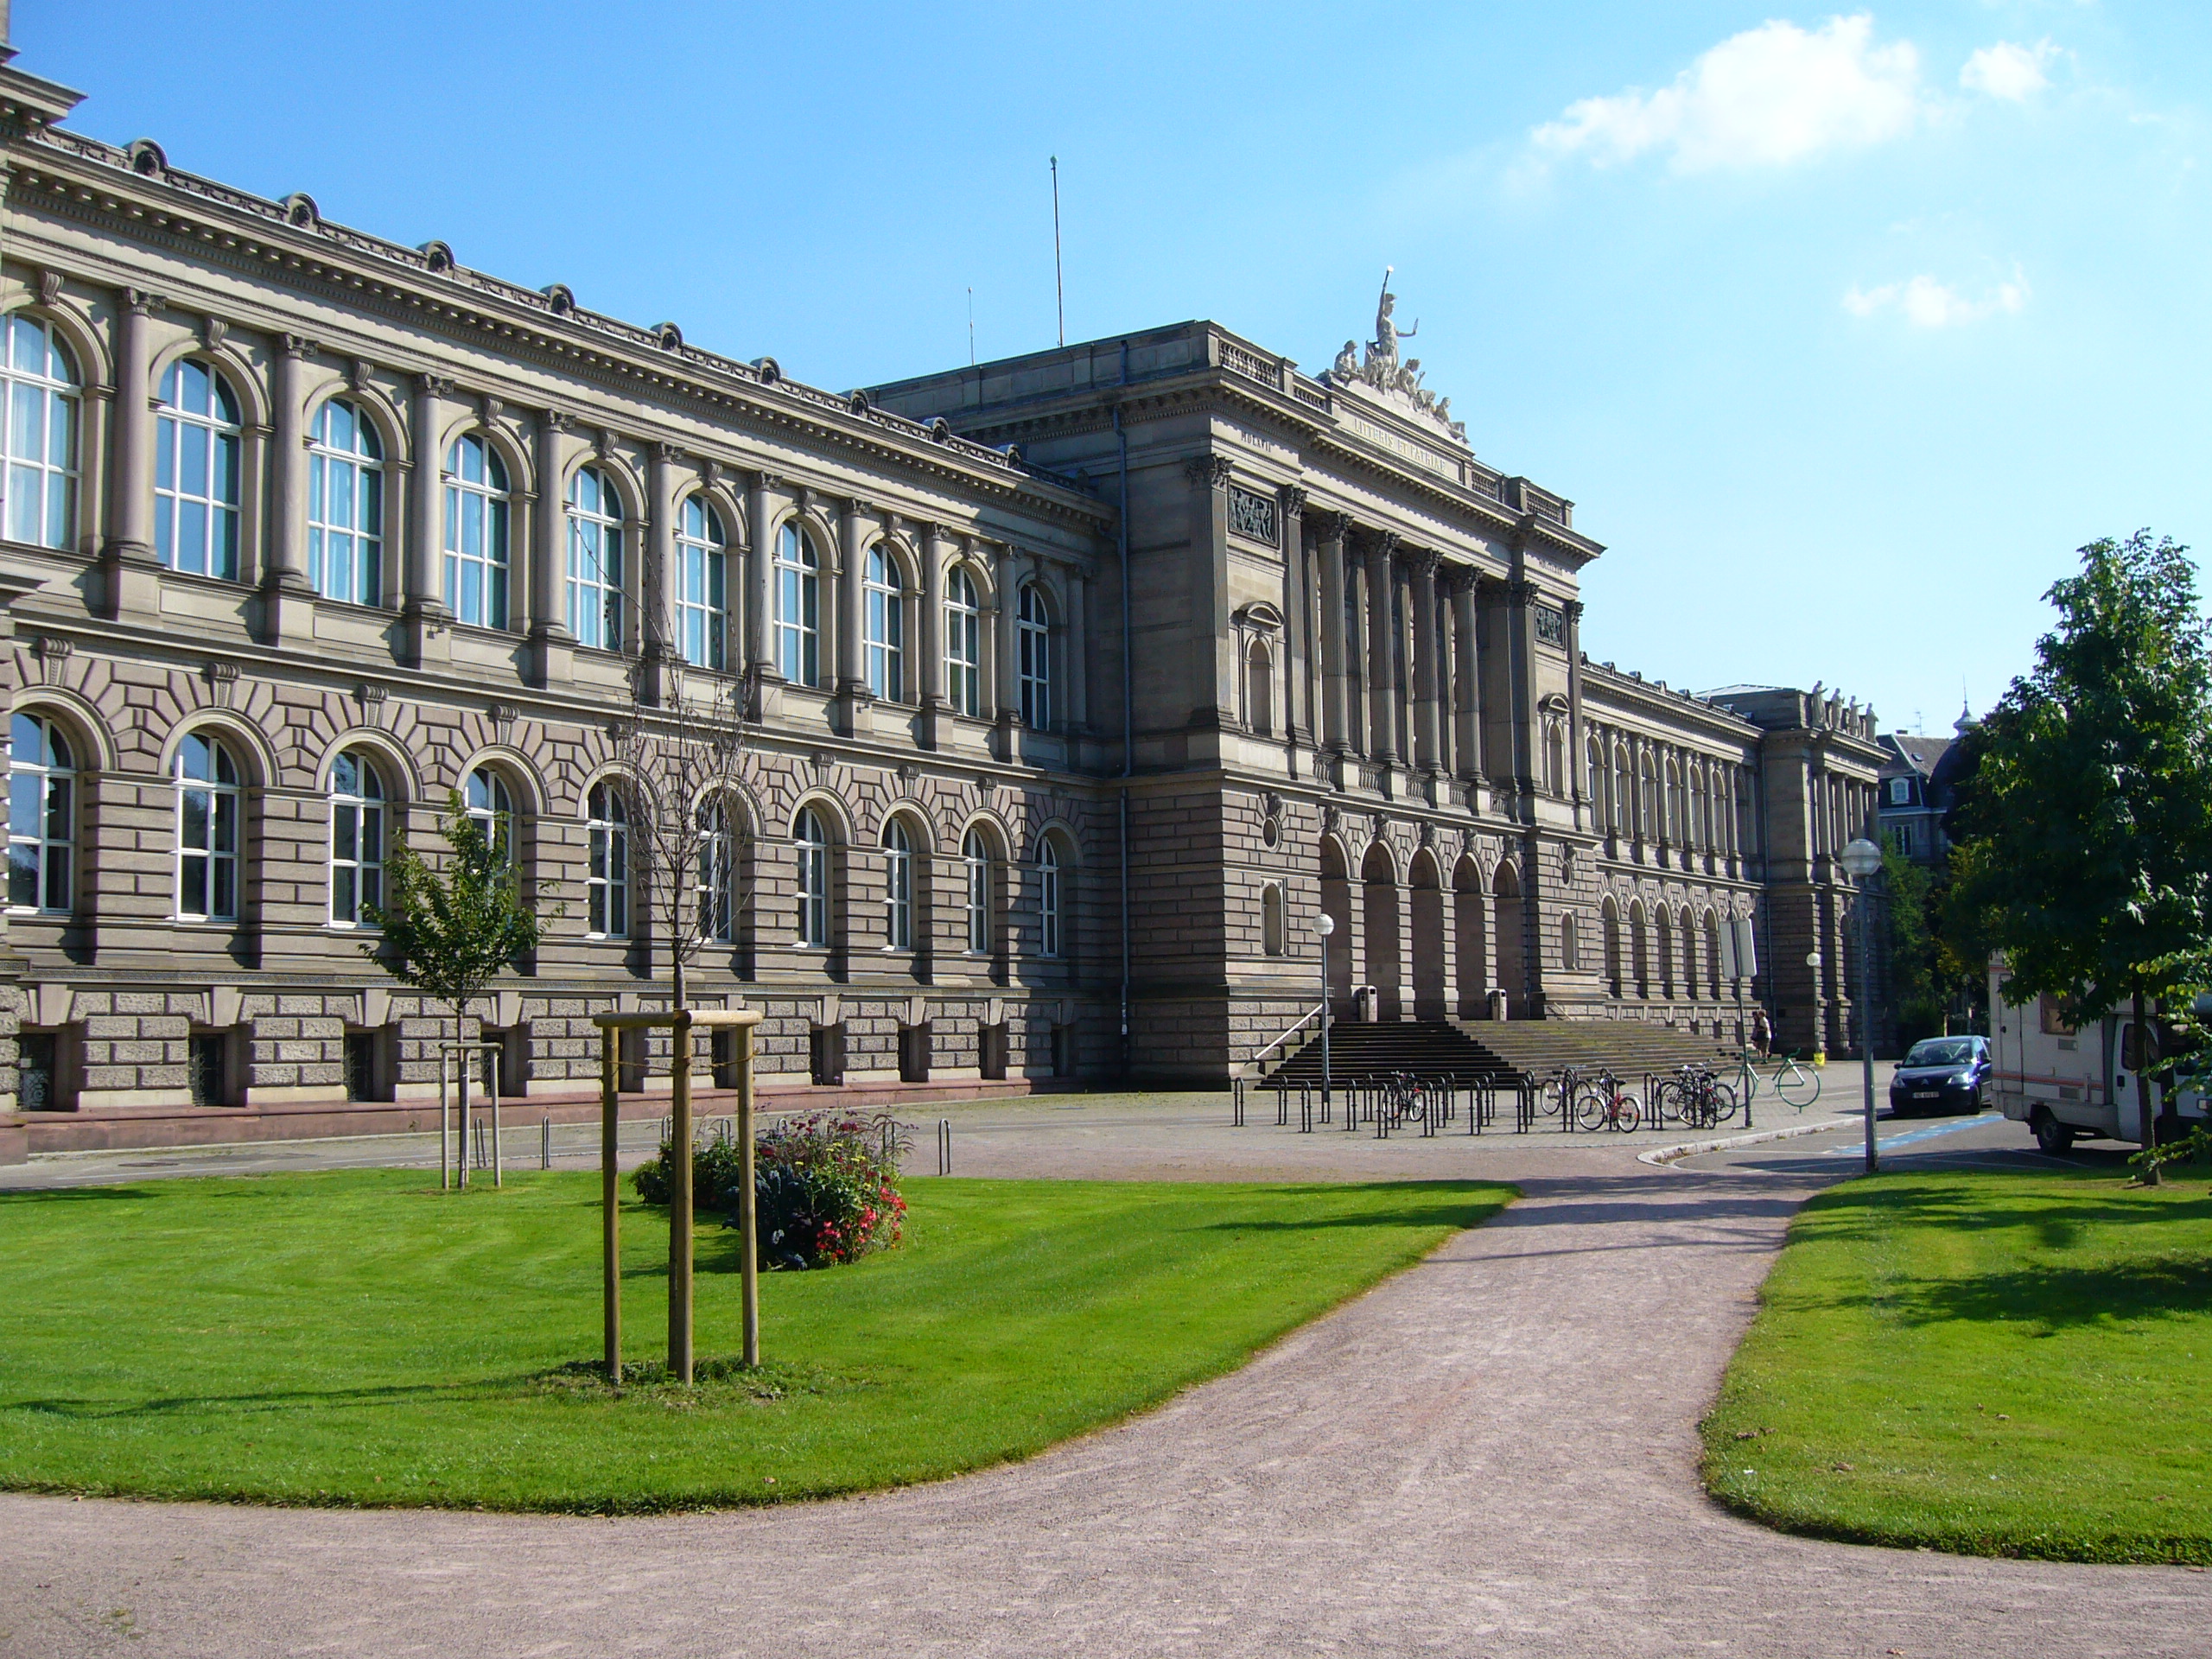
(1843, 329)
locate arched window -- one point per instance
(1570, 944)
(476, 534)
(40, 414)
(1554, 758)
(1271, 919)
(884, 625)
(1666, 929)
(1049, 897)
(714, 886)
(485, 798)
(1620, 805)
(594, 560)
(196, 472)
(975, 860)
(897, 886)
(1609, 923)
(812, 837)
(41, 815)
(963, 643)
(1259, 689)
(1033, 630)
(356, 799)
(207, 812)
(1647, 828)
(607, 873)
(799, 602)
(701, 584)
(345, 506)
(1675, 825)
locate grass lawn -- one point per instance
(1984, 1362)
(359, 1338)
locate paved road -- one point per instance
(1493, 1453)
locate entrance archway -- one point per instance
(1379, 883)
(1467, 906)
(1512, 972)
(1336, 904)
(1428, 938)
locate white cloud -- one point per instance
(2008, 71)
(1766, 98)
(1927, 303)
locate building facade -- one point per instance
(1074, 688)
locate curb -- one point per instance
(1660, 1157)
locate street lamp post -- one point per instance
(1324, 925)
(1861, 859)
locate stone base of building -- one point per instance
(118, 1130)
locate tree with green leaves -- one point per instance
(450, 933)
(2088, 854)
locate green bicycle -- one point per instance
(1797, 1085)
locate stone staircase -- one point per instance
(1495, 1052)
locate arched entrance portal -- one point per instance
(1379, 880)
(1428, 938)
(1512, 974)
(1336, 904)
(1467, 906)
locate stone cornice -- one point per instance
(82, 178)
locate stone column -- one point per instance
(1078, 647)
(424, 615)
(1466, 682)
(1427, 753)
(1004, 665)
(1212, 640)
(759, 577)
(1381, 659)
(1329, 548)
(851, 677)
(657, 574)
(1297, 616)
(931, 679)
(551, 639)
(1577, 761)
(129, 567)
(287, 596)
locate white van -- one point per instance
(2066, 1084)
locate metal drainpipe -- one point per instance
(1128, 712)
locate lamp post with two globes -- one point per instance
(1861, 859)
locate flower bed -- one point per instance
(825, 1186)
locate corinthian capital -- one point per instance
(1207, 472)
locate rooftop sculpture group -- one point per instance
(1382, 368)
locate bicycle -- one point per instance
(1696, 1097)
(1796, 1085)
(1603, 1103)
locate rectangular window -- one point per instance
(206, 1069)
(703, 613)
(38, 1071)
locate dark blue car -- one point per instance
(1942, 1074)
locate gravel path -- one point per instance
(1492, 1452)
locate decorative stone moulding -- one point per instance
(437, 256)
(147, 159)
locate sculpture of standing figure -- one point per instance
(1387, 332)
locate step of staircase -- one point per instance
(1499, 1051)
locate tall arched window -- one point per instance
(975, 863)
(345, 506)
(884, 625)
(798, 605)
(208, 808)
(485, 798)
(963, 643)
(1646, 827)
(1259, 689)
(1272, 930)
(1570, 944)
(1554, 758)
(594, 560)
(1033, 629)
(477, 509)
(701, 585)
(356, 799)
(196, 472)
(1665, 925)
(897, 886)
(1049, 899)
(812, 836)
(40, 414)
(1609, 924)
(41, 815)
(607, 871)
(716, 903)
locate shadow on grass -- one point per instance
(2044, 1299)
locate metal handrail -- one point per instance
(1261, 1054)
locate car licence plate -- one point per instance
(1926, 1094)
